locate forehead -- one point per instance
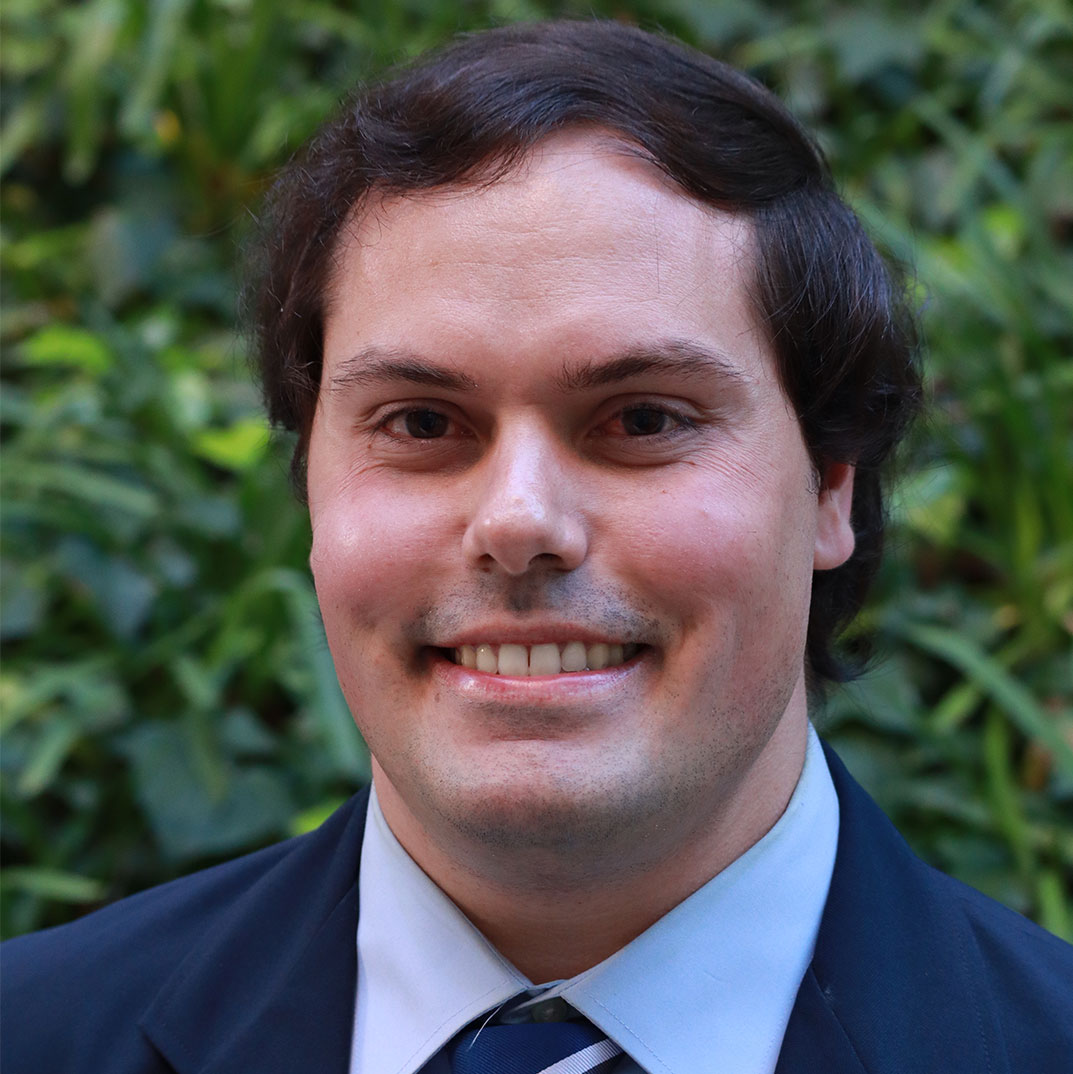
(585, 244)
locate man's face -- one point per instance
(550, 432)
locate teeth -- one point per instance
(513, 660)
(543, 660)
(547, 658)
(597, 656)
(574, 657)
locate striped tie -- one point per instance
(575, 1047)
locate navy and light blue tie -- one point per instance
(575, 1047)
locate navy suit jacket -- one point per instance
(250, 966)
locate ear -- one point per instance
(834, 532)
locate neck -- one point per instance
(553, 913)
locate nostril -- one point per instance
(516, 545)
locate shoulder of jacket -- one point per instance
(78, 982)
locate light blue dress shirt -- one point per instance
(708, 987)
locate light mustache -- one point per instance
(606, 614)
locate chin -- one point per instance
(562, 814)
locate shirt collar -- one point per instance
(708, 986)
(727, 961)
(424, 971)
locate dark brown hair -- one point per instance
(839, 325)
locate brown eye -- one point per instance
(644, 421)
(426, 424)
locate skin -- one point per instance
(551, 494)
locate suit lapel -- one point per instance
(896, 984)
(271, 989)
(815, 1040)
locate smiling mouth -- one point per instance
(548, 658)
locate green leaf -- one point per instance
(187, 821)
(51, 884)
(23, 127)
(83, 483)
(64, 345)
(932, 502)
(997, 683)
(163, 46)
(238, 447)
(245, 736)
(1052, 894)
(342, 741)
(22, 601)
(125, 247)
(49, 752)
(314, 817)
(123, 594)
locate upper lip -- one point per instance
(533, 634)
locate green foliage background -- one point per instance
(167, 695)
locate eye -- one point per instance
(645, 421)
(426, 424)
(417, 423)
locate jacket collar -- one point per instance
(896, 984)
(271, 986)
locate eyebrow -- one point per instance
(677, 358)
(377, 365)
(674, 357)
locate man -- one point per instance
(592, 375)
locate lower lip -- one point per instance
(568, 684)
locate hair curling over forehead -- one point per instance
(836, 313)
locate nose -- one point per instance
(527, 512)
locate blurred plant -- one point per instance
(167, 695)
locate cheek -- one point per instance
(743, 558)
(372, 559)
